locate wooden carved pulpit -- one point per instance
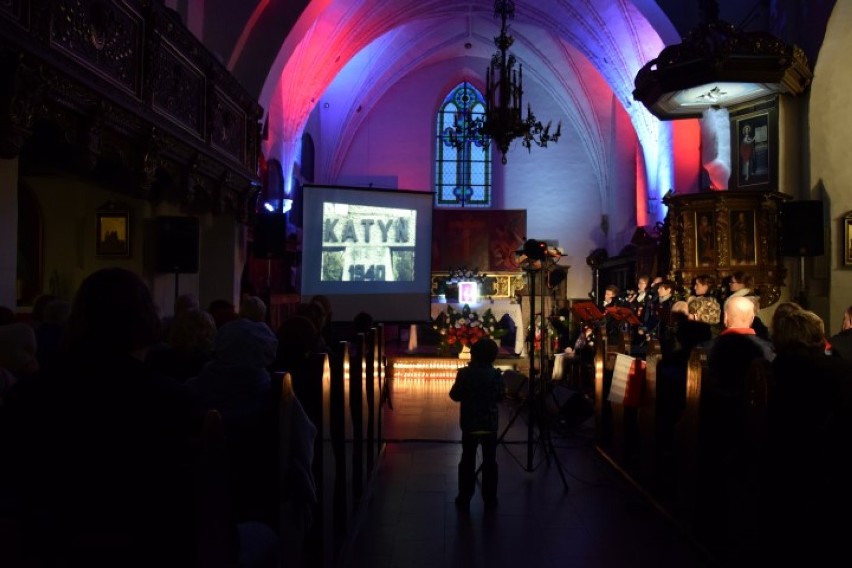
(721, 232)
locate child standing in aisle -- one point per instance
(478, 387)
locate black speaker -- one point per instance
(802, 228)
(270, 236)
(177, 244)
(572, 406)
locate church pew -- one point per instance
(340, 431)
(617, 429)
(216, 546)
(371, 389)
(649, 458)
(312, 385)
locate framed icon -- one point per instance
(847, 239)
(113, 233)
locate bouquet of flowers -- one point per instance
(460, 328)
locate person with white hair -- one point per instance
(731, 353)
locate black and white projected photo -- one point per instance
(365, 243)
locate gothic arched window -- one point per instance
(462, 164)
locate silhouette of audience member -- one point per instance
(478, 387)
(189, 346)
(326, 326)
(49, 333)
(17, 355)
(723, 414)
(37, 314)
(182, 303)
(841, 342)
(7, 316)
(236, 378)
(237, 384)
(222, 311)
(363, 322)
(298, 338)
(316, 314)
(253, 308)
(731, 353)
(671, 389)
(810, 418)
(784, 309)
(101, 457)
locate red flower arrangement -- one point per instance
(458, 329)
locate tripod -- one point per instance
(534, 404)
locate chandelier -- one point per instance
(502, 121)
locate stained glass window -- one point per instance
(462, 163)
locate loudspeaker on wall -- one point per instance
(270, 236)
(802, 228)
(177, 244)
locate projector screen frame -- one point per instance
(370, 222)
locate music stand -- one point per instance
(586, 311)
(623, 314)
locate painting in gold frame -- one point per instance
(113, 233)
(847, 239)
(743, 242)
(705, 238)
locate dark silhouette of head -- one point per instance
(363, 322)
(484, 352)
(112, 313)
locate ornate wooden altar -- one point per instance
(719, 233)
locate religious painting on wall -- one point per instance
(113, 233)
(705, 238)
(754, 146)
(743, 245)
(481, 239)
(847, 239)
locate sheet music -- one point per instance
(620, 373)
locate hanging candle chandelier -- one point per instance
(502, 121)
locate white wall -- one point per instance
(830, 163)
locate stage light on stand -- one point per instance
(272, 206)
(535, 250)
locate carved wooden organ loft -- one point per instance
(124, 93)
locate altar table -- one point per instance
(499, 308)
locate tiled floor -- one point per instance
(409, 519)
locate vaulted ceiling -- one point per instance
(290, 52)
